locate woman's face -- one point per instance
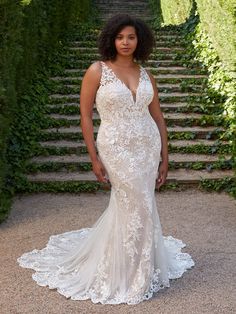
(126, 41)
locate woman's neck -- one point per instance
(125, 62)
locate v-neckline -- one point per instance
(139, 81)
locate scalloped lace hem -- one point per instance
(181, 261)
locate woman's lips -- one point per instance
(125, 49)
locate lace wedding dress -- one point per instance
(123, 257)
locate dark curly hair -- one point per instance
(106, 39)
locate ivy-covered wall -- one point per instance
(30, 32)
(210, 29)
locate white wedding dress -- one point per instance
(123, 257)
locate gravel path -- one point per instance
(206, 222)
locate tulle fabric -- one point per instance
(92, 263)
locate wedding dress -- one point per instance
(123, 257)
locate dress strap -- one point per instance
(107, 74)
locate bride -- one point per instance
(123, 257)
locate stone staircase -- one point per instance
(137, 8)
(196, 151)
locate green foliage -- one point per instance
(217, 147)
(221, 86)
(218, 22)
(175, 11)
(30, 34)
(73, 187)
(226, 184)
(210, 35)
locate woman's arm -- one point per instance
(155, 111)
(89, 86)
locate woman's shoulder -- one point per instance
(94, 72)
(95, 67)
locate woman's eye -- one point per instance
(121, 38)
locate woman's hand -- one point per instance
(99, 171)
(163, 170)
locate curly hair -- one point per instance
(106, 39)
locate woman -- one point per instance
(123, 257)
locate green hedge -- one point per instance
(217, 18)
(209, 29)
(218, 21)
(31, 32)
(176, 11)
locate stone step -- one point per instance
(175, 143)
(167, 63)
(161, 33)
(176, 129)
(66, 108)
(70, 108)
(174, 106)
(105, 17)
(84, 64)
(96, 116)
(184, 132)
(154, 63)
(70, 96)
(106, 5)
(156, 72)
(184, 143)
(160, 43)
(198, 146)
(137, 11)
(173, 86)
(181, 176)
(81, 62)
(182, 119)
(165, 68)
(95, 49)
(131, 8)
(84, 158)
(162, 87)
(140, 11)
(169, 95)
(156, 76)
(73, 78)
(149, 62)
(76, 56)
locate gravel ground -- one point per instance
(206, 222)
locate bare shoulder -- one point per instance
(93, 73)
(94, 69)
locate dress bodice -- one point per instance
(114, 100)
